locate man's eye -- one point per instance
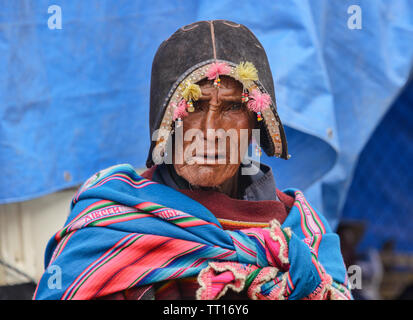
(199, 106)
(235, 107)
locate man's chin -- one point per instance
(206, 175)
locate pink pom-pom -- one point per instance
(180, 111)
(216, 69)
(258, 101)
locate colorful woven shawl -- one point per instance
(126, 231)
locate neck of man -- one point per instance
(230, 187)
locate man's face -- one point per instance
(221, 120)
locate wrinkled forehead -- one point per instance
(226, 82)
(230, 89)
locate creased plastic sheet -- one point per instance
(75, 100)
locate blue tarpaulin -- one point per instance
(380, 193)
(75, 100)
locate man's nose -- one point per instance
(213, 114)
(212, 118)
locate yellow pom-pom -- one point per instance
(191, 92)
(246, 73)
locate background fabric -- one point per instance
(75, 100)
(383, 177)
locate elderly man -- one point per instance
(202, 222)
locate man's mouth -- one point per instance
(208, 158)
(214, 156)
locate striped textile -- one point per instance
(125, 231)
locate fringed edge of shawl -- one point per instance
(219, 267)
